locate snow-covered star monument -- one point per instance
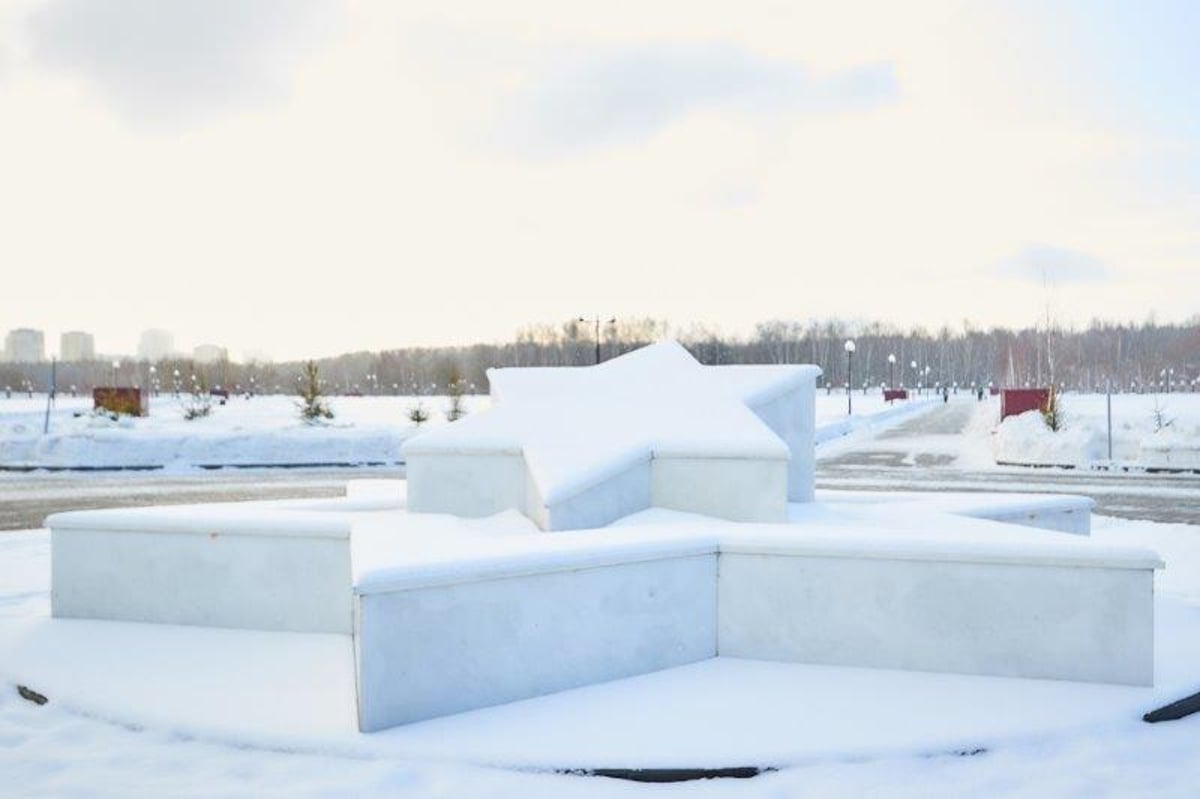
(595, 524)
(576, 448)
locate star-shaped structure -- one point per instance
(579, 447)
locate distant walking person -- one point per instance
(945, 393)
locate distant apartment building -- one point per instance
(209, 353)
(156, 344)
(76, 345)
(25, 345)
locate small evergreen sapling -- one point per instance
(199, 401)
(418, 415)
(1052, 413)
(456, 390)
(313, 407)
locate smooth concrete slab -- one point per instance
(427, 651)
(242, 568)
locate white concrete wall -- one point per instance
(466, 483)
(1034, 620)
(429, 651)
(217, 579)
(1076, 520)
(792, 417)
(623, 493)
(738, 489)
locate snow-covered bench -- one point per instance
(450, 614)
(242, 566)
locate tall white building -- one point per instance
(209, 353)
(156, 344)
(25, 345)
(77, 345)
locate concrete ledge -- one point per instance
(431, 651)
(1032, 619)
(222, 578)
(733, 488)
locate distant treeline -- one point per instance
(1136, 357)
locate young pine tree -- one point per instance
(199, 400)
(455, 387)
(313, 407)
(418, 415)
(1052, 413)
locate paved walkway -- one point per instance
(919, 455)
(27, 499)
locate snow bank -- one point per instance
(265, 430)
(1138, 439)
(1025, 439)
(262, 431)
(832, 425)
(1170, 449)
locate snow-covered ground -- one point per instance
(1139, 422)
(266, 430)
(1041, 738)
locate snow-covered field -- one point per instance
(1039, 738)
(1139, 422)
(266, 430)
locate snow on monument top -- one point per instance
(577, 429)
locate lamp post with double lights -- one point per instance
(597, 321)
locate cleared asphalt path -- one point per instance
(900, 458)
(27, 499)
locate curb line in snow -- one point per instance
(853, 424)
(1101, 467)
(205, 466)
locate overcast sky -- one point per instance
(304, 177)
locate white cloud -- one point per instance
(609, 97)
(174, 62)
(1041, 263)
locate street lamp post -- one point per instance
(597, 321)
(892, 370)
(916, 375)
(849, 376)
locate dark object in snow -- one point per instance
(1176, 710)
(31, 695)
(672, 774)
(1016, 401)
(116, 400)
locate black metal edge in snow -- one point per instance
(31, 695)
(1174, 711)
(670, 774)
(1097, 468)
(1036, 465)
(324, 465)
(205, 466)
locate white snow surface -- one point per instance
(269, 716)
(263, 430)
(266, 430)
(1083, 439)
